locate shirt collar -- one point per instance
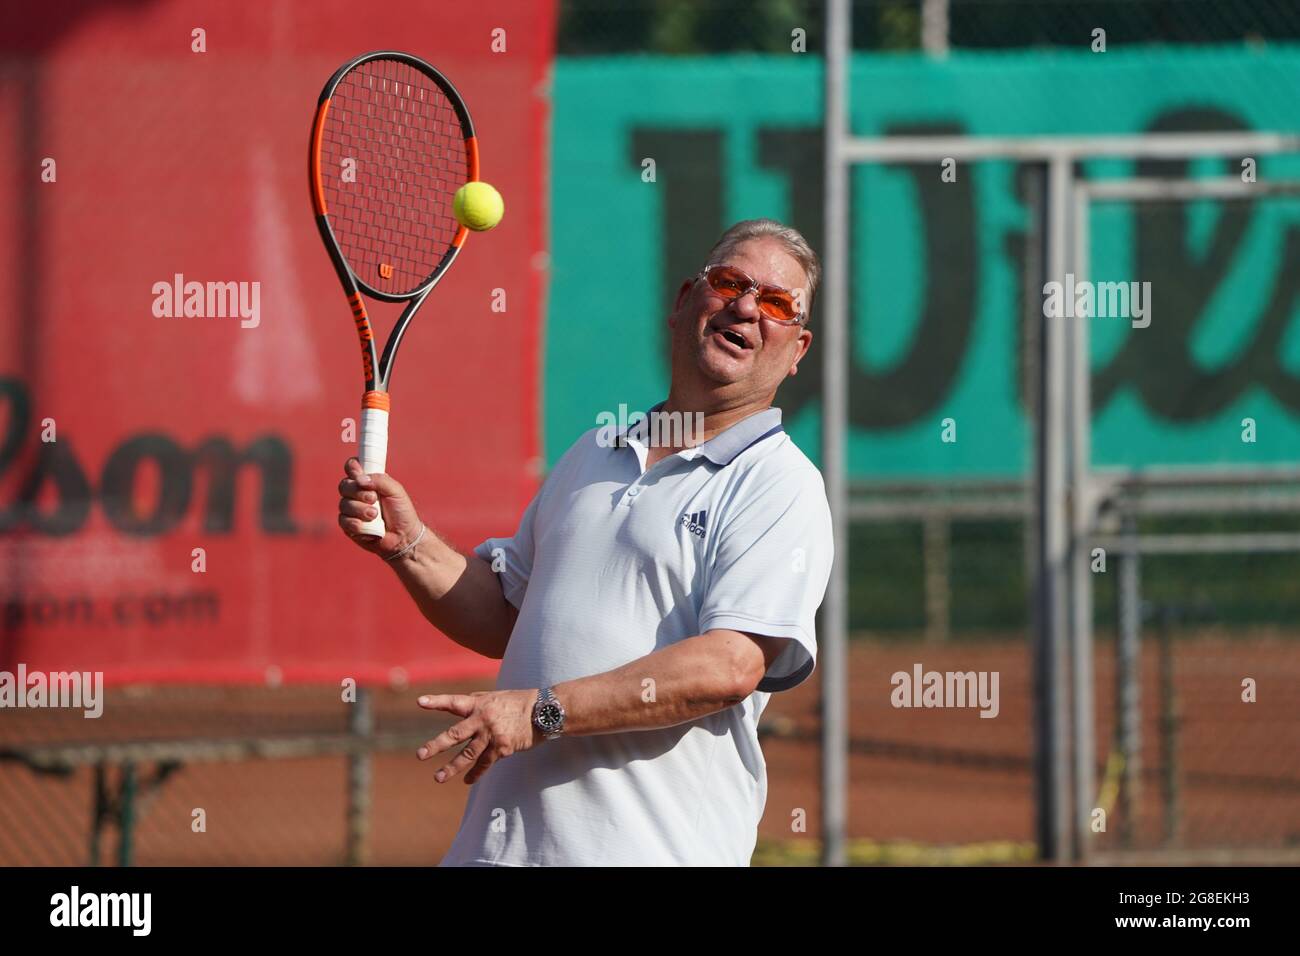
(723, 447)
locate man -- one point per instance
(657, 591)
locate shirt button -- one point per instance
(633, 491)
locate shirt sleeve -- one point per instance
(770, 571)
(512, 558)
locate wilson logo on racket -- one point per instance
(385, 270)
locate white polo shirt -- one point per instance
(612, 562)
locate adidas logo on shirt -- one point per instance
(694, 523)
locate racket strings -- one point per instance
(391, 207)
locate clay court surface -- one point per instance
(933, 777)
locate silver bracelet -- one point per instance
(398, 554)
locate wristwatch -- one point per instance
(548, 714)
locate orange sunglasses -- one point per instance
(728, 282)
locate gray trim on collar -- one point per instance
(723, 448)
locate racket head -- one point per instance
(391, 230)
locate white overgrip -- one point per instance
(373, 453)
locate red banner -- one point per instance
(169, 482)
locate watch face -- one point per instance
(549, 716)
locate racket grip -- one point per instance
(373, 449)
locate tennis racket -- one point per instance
(391, 143)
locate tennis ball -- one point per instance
(478, 206)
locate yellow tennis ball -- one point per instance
(478, 206)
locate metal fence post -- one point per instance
(834, 650)
(1169, 731)
(126, 815)
(1128, 686)
(1079, 415)
(362, 725)
(936, 553)
(1051, 748)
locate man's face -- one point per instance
(731, 343)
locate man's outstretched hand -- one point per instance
(496, 724)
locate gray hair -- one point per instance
(795, 245)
